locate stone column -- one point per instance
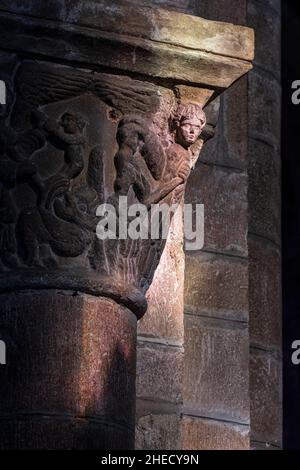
(99, 95)
(216, 412)
(264, 236)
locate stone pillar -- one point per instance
(70, 378)
(259, 105)
(216, 411)
(99, 94)
(216, 386)
(232, 288)
(264, 237)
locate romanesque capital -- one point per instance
(107, 114)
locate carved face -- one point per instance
(189, 131)
(69, 123)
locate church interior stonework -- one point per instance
(112, 338)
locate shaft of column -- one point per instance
(69, 381)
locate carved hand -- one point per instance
(184, 170)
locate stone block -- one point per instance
(216, 369)
(205, 434)
(234, 12)
(164, 317)
(216, 285)
(265, 397)
(159, 372)
(263, 446)
(158, 432)
(229, 145)
(264, 190)
(267, 26)
(235, 126)
(224, 195)
(272, 4)
(189, 94)
(183, 6)
(264, 294)
(264, 108)
(121, 17)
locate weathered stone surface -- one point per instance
(62, 432)
(148, 45)
(164, 317)
(264, 294)
(159, 372)
(70, 368)
(216, 285)
(264, 191)
(265, 397)
(275, 5)
(209, 152)
(158, 25)
(234, 12)
(189, 94)
(129, 54)
(224, 195)
(216, 369)
(158, 432)
(229, 145)
(234, 131)
(205, 434)
(263, 446)
(267, 25)
(264, 220)
(131, 38)
(85, 139)
(264, 112)
(179, 5)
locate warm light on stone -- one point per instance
(112, 100)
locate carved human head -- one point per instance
(73, 122)
(188, 123)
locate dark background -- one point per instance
(291, 220)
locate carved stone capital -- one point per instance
(74, 141)
(74, 138)
(107, 102)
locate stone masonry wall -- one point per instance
(196, 389)
(216, 386)
(264, 226)
(264, 244)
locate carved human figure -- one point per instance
(156, 169)
(65, 134)
(15, 167)
(186, 127)
(54, 220)
(156, 172)
(11, 174)
(188, 122)
(145, 164)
